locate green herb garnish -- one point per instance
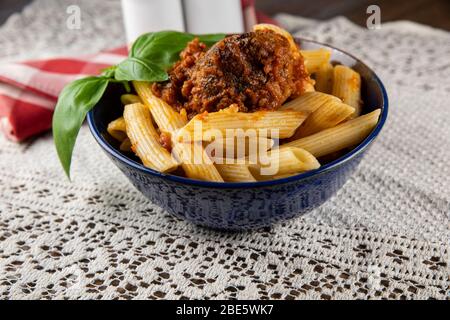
(149, 59)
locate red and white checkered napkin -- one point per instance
(29, 90)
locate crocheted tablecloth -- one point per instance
(386, 233)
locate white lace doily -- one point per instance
(386, 234)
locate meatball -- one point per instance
(255, 70)
(170, 91)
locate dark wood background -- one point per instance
(435, 13)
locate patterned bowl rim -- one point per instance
(238, 185)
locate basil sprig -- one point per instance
(149, 59)
(153, 53)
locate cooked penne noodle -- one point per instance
(344, 135)
(347, 86)
(308, 85)
(235, 172)
(170, 121)
(285, 161)
(309, 102)
(130, 99)
(125, 145)
(314, 59)
(165, 116)
(206, 126)
(324, 78)
(238, 147)
(145, 139)
(195, 161)
(117, 129)
(326, 116)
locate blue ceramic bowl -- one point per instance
(238, 206)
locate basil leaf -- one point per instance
(163, 48)
(109, 72)
(141, 70)
(74, 102)
(210, 39)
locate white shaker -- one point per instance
(141, 16)
(213, 16)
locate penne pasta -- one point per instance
(314, 59)
(347, 86)
(344, 135)
(309, 102)
(324, 78)
(117, 129)
(235, 173)
(164, 115)
(130, 99)
(308, 85)
(238, 147)
(125, 145)
(145, 139)
(194, 161)
(326, 116)
(284, 161)
(206, 126)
